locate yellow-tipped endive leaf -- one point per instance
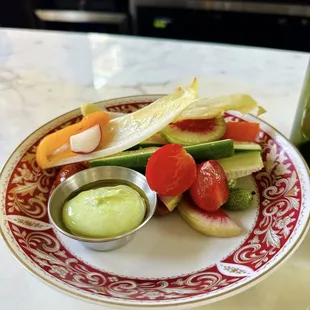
(89, 108)
(126, 131)
(216, 106)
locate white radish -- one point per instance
(86, 141)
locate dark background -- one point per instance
(277, 24)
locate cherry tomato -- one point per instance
(210, 189)
(66, 172)
(170, 170)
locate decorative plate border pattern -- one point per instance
(25, 188)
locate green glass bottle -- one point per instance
(300, 135)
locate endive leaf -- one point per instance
(126, 131)
(216, 106)
(89, 108)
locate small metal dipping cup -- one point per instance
(94, 178)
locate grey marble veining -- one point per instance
(44, 74)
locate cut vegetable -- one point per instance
(246, 146)
(216, 224)
(124, 132)
(241, 164)
(89, 108)
(210, 188)
(170, 202)
(195, 131)
(114, 115)
(241, 131)
(156, 140)
(56, 146)
(86, 141)
(67, 171)
(239, 199)
(170, 171)
(215, 107)
(137, 159)
(211, 150)
(161, 209)
(232, 184)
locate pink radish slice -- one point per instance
(86, 141)
(216, 224)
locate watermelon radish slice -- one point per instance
(216, 224)
(195, 131)
(86, 141)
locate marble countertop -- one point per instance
(44, 74)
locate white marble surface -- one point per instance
(44, 74)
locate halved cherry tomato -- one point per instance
(170, 170)
(67, 171)
(210, 189)
(241, 131)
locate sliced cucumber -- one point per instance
(137, 159)
(246, 146)
(241, 164)
(211, 150)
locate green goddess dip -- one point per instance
(104, 212)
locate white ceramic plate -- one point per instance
(167, 264)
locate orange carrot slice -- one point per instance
(241, 131)
(58, 142)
